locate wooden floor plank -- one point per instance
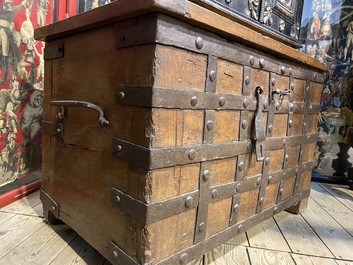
(331, 233)
(16, 230)
(227, 255)
(337, 210)
(262, 257)
(300, 236)
(198, 261)
(41, 247)
(79, 252)
(310, 260)
(343, 194)
(5, 216)
(22, 205)
(239, 240)
(267, 235)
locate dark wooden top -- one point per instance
(223, 25)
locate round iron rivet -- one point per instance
(193, 101)
(281, 192)
(270, 178)
(304, 124)
(212, 76)
(265, 104)
(122, 37)
(262, 63)
(277, 106)
(222, 101)
(58, 130)
(275, 209)
(267, 161)
(244, 124)
(53, 208)
(290, 124)
(189, 202)
(201, 227)
(209, 125)
(311, 107)
(115, 254)
(206, 175)
(235, 208)
(121, 95)
(248, 146)
(215, 194)
(247, 80)
(258, 181)
(239, 228)
(307, 89)
(296, 171)
(270, 128)
(292, 86)
(199, 42)
(237, 188)
(284, 142)
(273, 81)
(283, 70)
(290, 71)
(245, 103)
(117, 198)
(251, 60)
(183, 259)
(118, 148)
(291, 106)
(192, 154)
(308, 138)
(301, 153)
(286, 158)
(261, 200)
(241, 166)
(314, 76)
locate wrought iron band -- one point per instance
(166, 28)
(153, 212)
(49, 203)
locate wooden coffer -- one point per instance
(169, 129)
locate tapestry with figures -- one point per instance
(21, 86)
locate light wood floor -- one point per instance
(322, 235)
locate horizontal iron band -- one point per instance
(214, 241)
(153, 212)
(157, 97)
(162, 29)
(274, 143)
(174, 156)
(119, 256)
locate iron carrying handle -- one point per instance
(76, 103)
(281, 93)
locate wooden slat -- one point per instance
(227, 255)
(343, 194)
(261, 257)
(308, 260)
(194, 262)
(267, 235)
(331, 233)
(41, 247)
(344, 262)
(5, 216)
(79, 252)
(299, 235)
(333, 207)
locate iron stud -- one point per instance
(290, 71)
(267, 161)
(286, 158)
(121, 95)
(215, 194)
(290, 124)
(265, 103)
(199, 42)
(183, 259)
(258, 181)
(118, 148)
(247, 80)
(273, 81)
(115, 254)
(58, 130)
(53, 208)
(275, 209)
(241, 166)
(262, 63)
(244, 124)
(270, 178)
(245, 103)
(192, 154)
(281, 192)
(284, 142)
(117, 198)
(212, 75)
(206, 175)
(209, 125)
(201, 227)
(239, 228)
(193, 101)
(261, 200)
(237, 188)
(283, 70)
(235, 208)
(222, 101)
(251, 60)
(189, 202)
(270, 128)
